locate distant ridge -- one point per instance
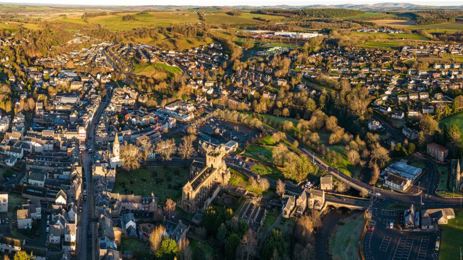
(386, 6)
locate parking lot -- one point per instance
(385, 243)
(218, 131)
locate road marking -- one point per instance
(385, 244)
(423, 248)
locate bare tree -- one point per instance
(146, 147)
(304, 229)
(379, 155)
(186, 149)
(375, 172)
(156, 237)
(353, 156)
(166, 149)
(169, 207)
(280, 188)
(130, 156)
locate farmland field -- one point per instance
(243, 18)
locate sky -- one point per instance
(230, 2)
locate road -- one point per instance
(425, 200)
(87, 228)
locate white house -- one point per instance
(3, 202)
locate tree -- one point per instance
(353, 156)
(186, 149)
(22, 255)
(331, 123)
(165, 149)
(379, 155)
(233, 240)
(287, 125)
(169, 207)
(156, 237)
(458, 103)
(429, 125)
(273, 247)
(146, 147)
(248, 245)
(375, 172)
(168, 249)
(304, 229)
(222, 233)
(454, 134)
(131, 157)
(280, 188)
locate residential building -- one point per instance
(437, 151)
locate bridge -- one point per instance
(426, 200)
(336, 200)
(342, 201)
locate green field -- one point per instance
(370, 16)
(164, 182)
(241, 19)
(115, 22)
(451, 241)
(344, 243)
(439, 27)
(149, 70)
(389, 36)
(384, 44)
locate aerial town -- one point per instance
(255, 133)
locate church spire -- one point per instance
(116, 146)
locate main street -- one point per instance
(87, 228)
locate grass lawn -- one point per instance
(164, 182)
(138, 248)
(240, 180)
(262, 153)
(443, 178)
(259, 152)
(342, 163)
(277, 120)
(344, 243)
(270, 218)
(263, 170)
(451, 241)
(456, 119)
(14, 200)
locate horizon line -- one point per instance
(237, 5)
